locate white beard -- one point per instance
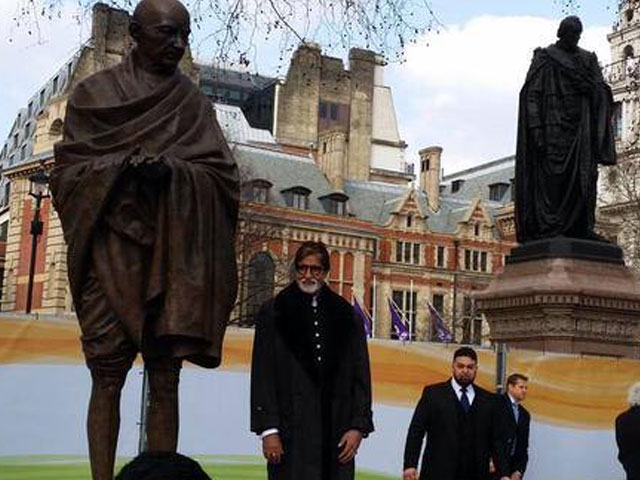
(310, 286)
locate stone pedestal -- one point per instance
(562, 302)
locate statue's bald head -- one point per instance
(149, 10)
(161, 31)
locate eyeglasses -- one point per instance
(315, 270)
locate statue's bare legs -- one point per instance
(162, 416)
(103, 423)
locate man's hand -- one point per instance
(516, 476)
(272, 448)
(349, 444)
(410, 474)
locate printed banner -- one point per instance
(44, 390)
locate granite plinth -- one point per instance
(564, 247)
(566, 305)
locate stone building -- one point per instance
(620, 185)
(331, 168)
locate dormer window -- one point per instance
(456, 185)
(335, 203)
(297, 197)
(497, 191)
(259, 190)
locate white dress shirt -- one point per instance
(471, 393)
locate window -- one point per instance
(54, 88)
(27, 129)
(407, 252)
(42, 98)
(407, 301)
(322, 113)
(335, 203)
(15, 140)
(424, 165)
(497, 191)
(297, 197)
(6, 194)
(260, 285)
(438, 304)
(259, 193)
(334, 111)
(440, 256)
(456, 185)
(409, 220)
(476, 229)
(30, 109)
(337, 207)
(300, 201)
(475, 261)
(23, 152)
(617, 120)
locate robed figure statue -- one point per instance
(564, 132)
(147, 193)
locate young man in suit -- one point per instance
(460, 422)
(628, 435)
(515, 420)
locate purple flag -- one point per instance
(398, 322)
(442, 332)
(364, 316)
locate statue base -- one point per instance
(565, 303)
(564, 247)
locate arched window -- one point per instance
(55, 130)
(260, 284)
(628, 52)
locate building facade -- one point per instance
(620, 185)
(330, 168)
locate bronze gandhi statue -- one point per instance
(147, 192)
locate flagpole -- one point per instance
(411, 306)
(374, 307)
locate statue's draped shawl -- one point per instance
(162, 248)
(566, 99)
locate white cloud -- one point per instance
(460, 91)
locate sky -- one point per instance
(457, 89)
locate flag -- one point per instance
(442, 332)
(364, 316)
(398, 321)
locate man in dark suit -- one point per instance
(310, 380)
(515, 420)
(459, 420)
(628, 435)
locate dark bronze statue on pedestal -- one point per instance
(147, 193)
(564, 132)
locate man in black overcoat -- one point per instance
(460, 422)
(515, 421)
(628, 435)
(310, 378)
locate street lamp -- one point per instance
(38, 189)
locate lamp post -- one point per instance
(38, 189)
